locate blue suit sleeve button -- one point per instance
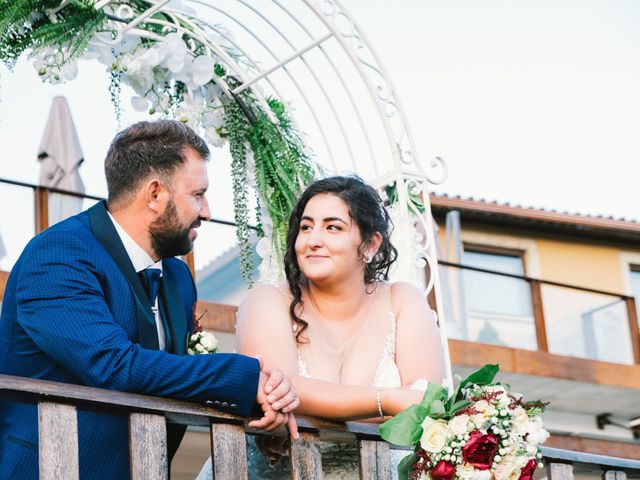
(233, 405)
(225, 404)
(216, 403)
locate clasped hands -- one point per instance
(278, 400)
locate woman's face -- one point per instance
(328, 240)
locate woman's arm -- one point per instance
(264, 330)
(419, 353)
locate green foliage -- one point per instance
(28, 24)
(282, 167)
(483, 376)
(405, 428)
(238, 130)
(406, 464)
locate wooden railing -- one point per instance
(58, 442)
(541, 314)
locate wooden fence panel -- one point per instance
(306, 462)
(228, 452)
(58, 439)
(148, 447)
(614, 475)
(375, 460)
(560, 471)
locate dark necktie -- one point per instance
(151, 282)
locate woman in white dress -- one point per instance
(351, 343)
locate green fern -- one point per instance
(26, 25)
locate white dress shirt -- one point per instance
(141, 261)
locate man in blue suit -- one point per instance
(78, 308)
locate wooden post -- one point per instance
(375, 460)
(560, 471)
(58, 433)
(306, 462)
(614, 475)
(538, 315)
(633, 328)
(41, 209)
(228, 452)
(148, 446)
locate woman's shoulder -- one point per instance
(278, 292)
(405, 292)
(406, 297)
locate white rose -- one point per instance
(468, 472)
(458, 425)
(200, 348)
(507, 469)
(481, 475)
(209, 341)
(434, 435)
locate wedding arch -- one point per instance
(293, 87)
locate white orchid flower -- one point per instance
(202, 70)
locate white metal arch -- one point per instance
(313, 57)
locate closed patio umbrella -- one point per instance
(60, 156)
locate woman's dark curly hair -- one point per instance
(367, 211)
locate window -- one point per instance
(498, 308)
(635, 286)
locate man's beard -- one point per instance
(168, 237)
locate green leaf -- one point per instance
(482, 376)
(459, 405)
(437, 409)
(433, 393)
(405, 428)
(405, 465)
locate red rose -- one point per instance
(443, 471)
(480, 450)
(527, 471)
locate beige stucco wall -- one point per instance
(592, 266)
(561, 259)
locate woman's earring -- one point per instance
(367, 257)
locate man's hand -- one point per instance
(274, 395)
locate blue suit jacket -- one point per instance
(74, 311)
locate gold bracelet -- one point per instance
(379, 401)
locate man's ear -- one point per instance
(155, 195)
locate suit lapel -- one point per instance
(105, 232)
(175, 315)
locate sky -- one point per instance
(534, 103)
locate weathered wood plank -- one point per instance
(306, 462)
(614, 475)
(58, 438)
(375, 460)
(228, 452)
(560, 471)
(148, 446)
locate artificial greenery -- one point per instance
(237, 128)
(31, 24)
(282, 168)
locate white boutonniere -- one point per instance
(202, 342)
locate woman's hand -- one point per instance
(275, 393)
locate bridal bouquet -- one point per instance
(482, 431)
